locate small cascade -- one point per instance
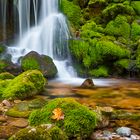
(49, 35)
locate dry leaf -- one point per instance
(58, 114)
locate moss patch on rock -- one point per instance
(6, 75)
(34, 61)
(25, 85)
(78, 120)
(42, 132)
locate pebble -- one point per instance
(21, 123)
(135, 137)
(17, 101)
(3, 119)
(6, 103)
(124, 131)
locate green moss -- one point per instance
(136, 6)
(97, 2)
(43, 63)
(112, 10)
(3, 65)
(135, 33)
(72, 11)
(14, 112)
(99, 72)
(118, 27)
(30, 64)
(43, 132)
(6, 75)
(25, 85)
(123, 63)
(78, 121)
(3, 85)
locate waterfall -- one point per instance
(48, 36)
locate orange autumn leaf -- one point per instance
(58, 114)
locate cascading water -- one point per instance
(49, 35)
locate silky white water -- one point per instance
(48, 36)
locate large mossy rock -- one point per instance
(76, 120)
(43, 63)
(25, 85)
(6, 75)
(43, 132)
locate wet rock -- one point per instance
(7, 131)
(13, 68)
(3, 119)
(124, 131)
(17, 101)
(20, 110)
(44, 63)
(88, 83)
(135, 137)
(21, 123)
(6, 103)
(37, 103)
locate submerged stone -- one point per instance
(88, 83)
(124, 131)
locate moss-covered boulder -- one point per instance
(3, 85)
(45, 64)
(42, 132)
(6, 75)
(25, 85)
(72, 11)
(76, 120)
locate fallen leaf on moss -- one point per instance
(58, 114)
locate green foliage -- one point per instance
(19, 111)
(25, 85)
(78, 121)
(3, 65)
(135, 33)
(91, 30)
(99, 72)
(43, 132)
(97, 52)
(72, 11)
(123, 63)
(30, 64)
(3, 85)
(93, 2)
(112, 10)
(136, 6)
(6, 75)
(118, 27)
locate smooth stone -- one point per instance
(6, 103)
(17, 101)
(7, 131)
(88, 83)
(135, 137)
(124, 131)
(3, 119)
(21, 123)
